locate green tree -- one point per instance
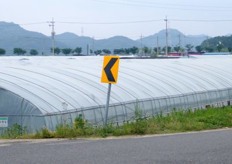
(2, 51)
(98, 52)
(177, 48)
(220, 46)
(33, 52)
(230, 49)
(66, 51)
(157, 50)
(119, 51)
(57, 50)
(19, 51)
(146, 50)
(169, 49)
(106, 51)
(91, 51)
(199, 48)
(189, 47)
(208, 49)
(127, 51)
(77, 50)
(134, 50)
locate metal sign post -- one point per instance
(110, 76)
(107, 104)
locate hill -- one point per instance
(13, 36)
(175, 38)
(222, 42)
(112, 43)
(72, 40)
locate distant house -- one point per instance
(183, 53)
(217, 53)
(175, 54)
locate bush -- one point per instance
(45, 133)
(64, 131)
(15, 131)
(80, 128)
(79, 122)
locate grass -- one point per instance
(174, 122)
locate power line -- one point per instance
(33, 23)
(180, 5)
(149, 21)
(166, 6)
(202, 20)
(104, 23)
(133, 22)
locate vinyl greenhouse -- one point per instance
(39, 92)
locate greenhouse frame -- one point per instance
(38, 92)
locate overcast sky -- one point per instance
(130, 18)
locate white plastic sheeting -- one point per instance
(45, 91)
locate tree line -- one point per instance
(217, 44)
(65, 51)
(78, 50)
(19, 51)
(220, 44)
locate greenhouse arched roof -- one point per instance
(49, 82)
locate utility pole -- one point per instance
(93, 44)
(179, 43)
(141, 46)
(52, 24)
(157, 42)
(82, 31)
(179, 40)
(166, 49)
(87, 49)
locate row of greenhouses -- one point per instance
(38, 92)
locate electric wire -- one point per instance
(133, 22)
(150, 21)
(126, 22)
(33, 23)
(166, 6)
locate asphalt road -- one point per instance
(213, 147)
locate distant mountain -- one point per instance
(175, 38)
(13, 36)
(116, 42)
(73, 41)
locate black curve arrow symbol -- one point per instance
(108, 67)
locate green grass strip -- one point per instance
(174, 122)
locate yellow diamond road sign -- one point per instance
(110, 69)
